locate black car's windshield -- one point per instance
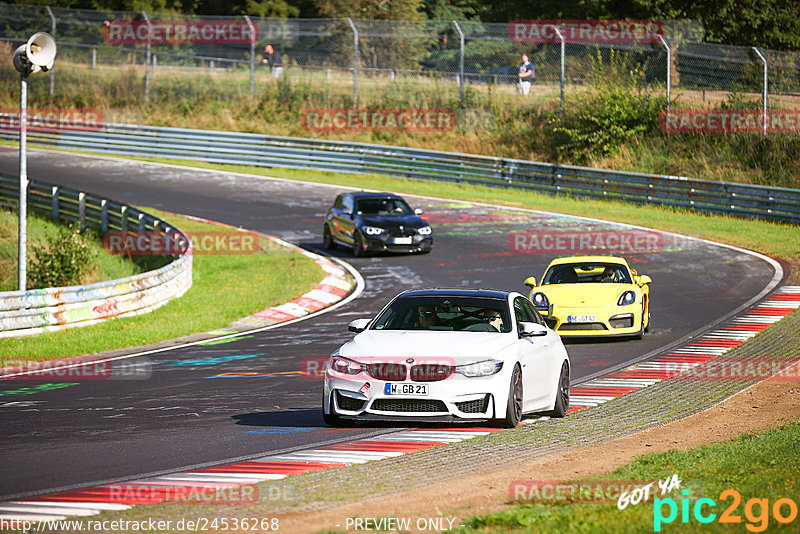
(577, 273)
(463, 314)
(383, 206)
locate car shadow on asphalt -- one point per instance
(302, 419)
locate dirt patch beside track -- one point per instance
(765, 405)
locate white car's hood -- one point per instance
(463, 347)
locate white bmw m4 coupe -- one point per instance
(449, 355)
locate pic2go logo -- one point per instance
(756, 511)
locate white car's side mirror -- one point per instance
(359, 325)
(532, 330)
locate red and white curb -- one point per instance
(155, 490)
(715, 343)
(336, 284)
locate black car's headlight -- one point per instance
(372, 230)
(484, 368)
(629, 297)
(425, 230)
(540, 301)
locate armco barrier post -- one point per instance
(355, 60)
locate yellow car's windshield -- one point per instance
(577, 273)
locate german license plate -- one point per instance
(581, 318)
(402, 240)
(412, 390)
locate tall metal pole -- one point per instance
(561, 38)
(355, 60)
(23, 181)
(147, 60)
(669, 68)
(252, 56)
(765, 91)
(460, 61)
(53, 33)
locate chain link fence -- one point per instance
(135, 58)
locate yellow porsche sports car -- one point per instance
(593, 296)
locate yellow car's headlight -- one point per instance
(628, 297)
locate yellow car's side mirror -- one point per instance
(530, 281)
(644, 279)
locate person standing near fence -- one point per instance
(526, 74)
(273, 58)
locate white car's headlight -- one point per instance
(372, 230)
(629, 297)
(425, 230)
(346, 366)
(484, 368)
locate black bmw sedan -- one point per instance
(375, 222)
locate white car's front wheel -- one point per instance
(331, 418)
(514, 404)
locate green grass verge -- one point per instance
(40, 231)
(225, 288)
(753, 465)
(775, 239)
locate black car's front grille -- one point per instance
(474, 406)
(409, 405)
(387, 371)
(402, 233)
(582, 326)
(349, 403)
(430, 372)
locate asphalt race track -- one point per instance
(185, 414)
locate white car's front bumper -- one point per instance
(456, 397)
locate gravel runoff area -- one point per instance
(655, 405)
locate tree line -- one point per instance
(769, 23)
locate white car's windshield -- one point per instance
(445, 313)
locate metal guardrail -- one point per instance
(774, 203)
(44, 310)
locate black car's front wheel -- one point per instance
(327, 238)
(358, 246)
